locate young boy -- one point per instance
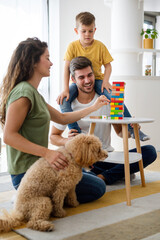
(99, 55)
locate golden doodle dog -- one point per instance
(43, 190)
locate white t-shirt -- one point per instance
(102, 130)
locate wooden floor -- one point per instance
(13, 236)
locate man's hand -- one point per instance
(61, 96)
(72, 133)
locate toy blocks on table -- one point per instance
(99, 117)
(96, 117)
(117, 100)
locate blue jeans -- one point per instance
(16, 179)
(114, 172)
(66, 105)
(90, 187)
(73, 93)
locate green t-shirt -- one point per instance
(35, 127)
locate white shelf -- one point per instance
(118, 157)
(134, 50)
(124, 78)
(109, 3)
(138, 51)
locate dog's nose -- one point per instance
(104, 154)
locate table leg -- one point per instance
(92, 127)
(138, 146)
(126, 163)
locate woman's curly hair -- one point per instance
(21, 68)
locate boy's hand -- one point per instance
(107, 86)
(61, 96)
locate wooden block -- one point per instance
(96, 117)
(116, 108)
(116, 118)
(104, 117)
(116, 111)
(117, 104)
(117, 115)
(114, 91)
(121, 83)
(117, 101)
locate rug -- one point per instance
(134, 228)
(86, 220)
(102, 212)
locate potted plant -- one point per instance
(149, 35)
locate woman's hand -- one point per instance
(61, 96)
(56, 159)
(101, 101)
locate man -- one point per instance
(82, 75)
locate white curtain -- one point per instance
(20, 19)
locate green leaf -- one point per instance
(148, 31)
(142, 32)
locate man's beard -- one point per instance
(84, 91)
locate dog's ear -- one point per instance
(74, 146)
(91, 151)
(86, 149)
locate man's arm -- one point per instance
(56, 137)
(118, 130)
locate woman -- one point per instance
(25, 115)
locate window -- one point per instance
(20, 19)
(150, 60)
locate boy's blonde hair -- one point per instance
(85, 18)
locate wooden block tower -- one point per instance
(117, 100)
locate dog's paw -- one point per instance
(60, 213)
(73, 203)
(41, 225)
(47, 227)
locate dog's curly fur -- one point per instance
(42, 190)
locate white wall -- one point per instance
(152, 5)
(143, 100)
(142, 96)
(62, 24)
